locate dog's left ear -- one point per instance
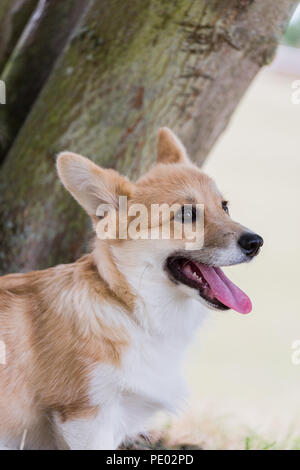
(170, 148)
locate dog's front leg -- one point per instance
(96, 433)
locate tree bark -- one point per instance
(28, 68)
(130, 68)
(14, 15)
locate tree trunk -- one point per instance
(14, 15)
(27, 70)
(130, 68)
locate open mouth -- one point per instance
(212, 284)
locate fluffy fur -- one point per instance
(94, 348)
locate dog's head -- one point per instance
(173, 222)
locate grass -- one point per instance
(251, 442)
(210, 429)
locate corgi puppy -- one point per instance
(94, 348)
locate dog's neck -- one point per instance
(108, 270)
(151, 301)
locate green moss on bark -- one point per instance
(31, 63)
(130, 68)
(14, 15)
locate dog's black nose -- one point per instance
(250, 243)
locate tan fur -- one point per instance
(177, 183)
(50, 347)
(170, 149)
(91, 185)
(48, 321)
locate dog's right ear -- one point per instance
(89, 184)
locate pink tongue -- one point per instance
(224, 290)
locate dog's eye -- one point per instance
(186, 214)
(225, 206)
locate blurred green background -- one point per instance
(292, 35)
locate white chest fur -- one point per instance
(149, 378)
